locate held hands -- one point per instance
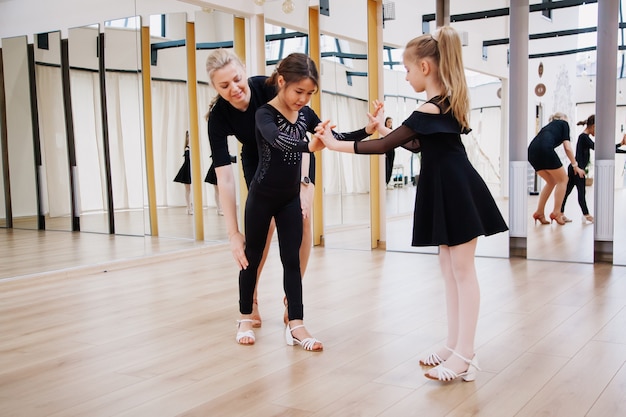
(315, 144)
(323, 132)
(237, 245)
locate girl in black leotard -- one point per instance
(453, 205)
(281, 128)
(583, 155)
(232, 114)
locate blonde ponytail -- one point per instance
(452, 74)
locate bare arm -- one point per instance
(228, 200)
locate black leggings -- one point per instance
(287, 212)
(579, 183)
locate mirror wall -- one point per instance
(619, 229)
(90, 141)
(214, 29)
(55, 189)
(124, 116)
(170, 122)
(23, 169)
(346, 177)
(565, 84)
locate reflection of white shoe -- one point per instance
(190, 210)
(220, 212)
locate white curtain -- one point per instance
(55, 186)
(342, 171)
(170, 121)
(126, 139)
(90, 164)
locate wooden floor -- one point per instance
(152, 334)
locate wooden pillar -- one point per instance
(374, 81)
(316, 105)
(147, 124)
(194, 135)
(239, 45)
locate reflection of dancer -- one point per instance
(453, 205)
(583, 155)
(184, 175)
(548, 165)
(211, 178)
(390, 155)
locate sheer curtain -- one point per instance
(55, 181)
(342, 171)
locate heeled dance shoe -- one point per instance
(558, 218)
(587, 218)
(307, 344)
(433, 359)
(256, 316)
(445, 374)
(286, 313)
(248, 333)
(541, 218)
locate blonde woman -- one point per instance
(549, 167)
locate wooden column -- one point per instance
(194, 138)
(374, 82)
(147, 124)
(316, 105)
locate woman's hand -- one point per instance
(306, 199)
(579, 171)
(237, 245)
(315, 144)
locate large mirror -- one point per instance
(90, 134)
(23, 169)
(125, 125)
(346, 177)
(619, 229)
(170, 124)
(562, 83)
(214, 29)
(55, 188)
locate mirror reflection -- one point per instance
(91, 165)
(214, 29)
(124, 114)
(56, 200)
(170, 125)
(23, 169)
(346, 177)
(619, 226)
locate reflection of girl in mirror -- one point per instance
(547, 163)
(232, 113)
(583, 155)
(453, 205)
(390, 155)
(184, 175)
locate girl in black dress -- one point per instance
(453, 205)
(184, 174)
(547, 163)
(583, 155)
